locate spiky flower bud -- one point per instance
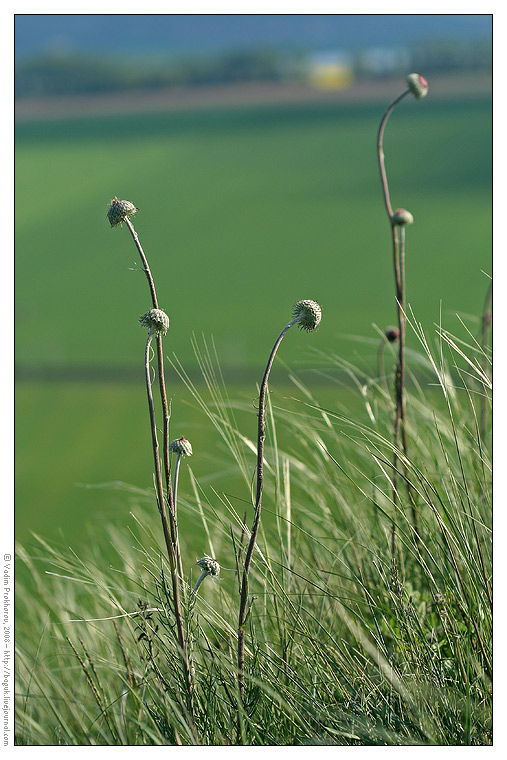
(209, 565)
(181, 446)
(308, 313)
(156, 321)
(392, 334)
(401, 217)
(417, 85)
(118, 211)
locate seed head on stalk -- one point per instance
(119, 210)
(307, 314)
(181, 446)
(156, 320)
(209, 566)
(417, 85)
(402, 217)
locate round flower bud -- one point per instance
(118, 211)
(156, 321)
(417, 85)
(181, 446)
(308, 313)
(209, 565)
(392, 334)
(401, 217)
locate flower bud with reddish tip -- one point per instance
(392, 334)
(181, 446)
(401, 217)
(417, 85)
(119, 210)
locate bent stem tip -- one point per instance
(209, 567)
(308, 314)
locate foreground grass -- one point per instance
(345, 644)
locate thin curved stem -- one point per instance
(165, 424)
(175, 481)
(200, 579)
(261, 434)
(175, 513)
(380, 151)
(155, 446)
(146, 267)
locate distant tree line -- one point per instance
(62, 73)
(442, 55)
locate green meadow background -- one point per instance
(242, 211)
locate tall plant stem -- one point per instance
(167, 534)
(168, 526)
(398, 247)
(400, 395)
(261, 434)
(398, 380)
(485, 327)
(161, 377)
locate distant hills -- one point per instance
(155, 34)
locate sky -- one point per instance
(191, 33)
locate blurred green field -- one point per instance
(242, 212)
(77, 443)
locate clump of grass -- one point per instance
(342, 647)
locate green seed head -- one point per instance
(308, 313)
(181, 446)
(156, 321)
(118, 211)
(417, 85)
(401, 217)
(209, 565)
